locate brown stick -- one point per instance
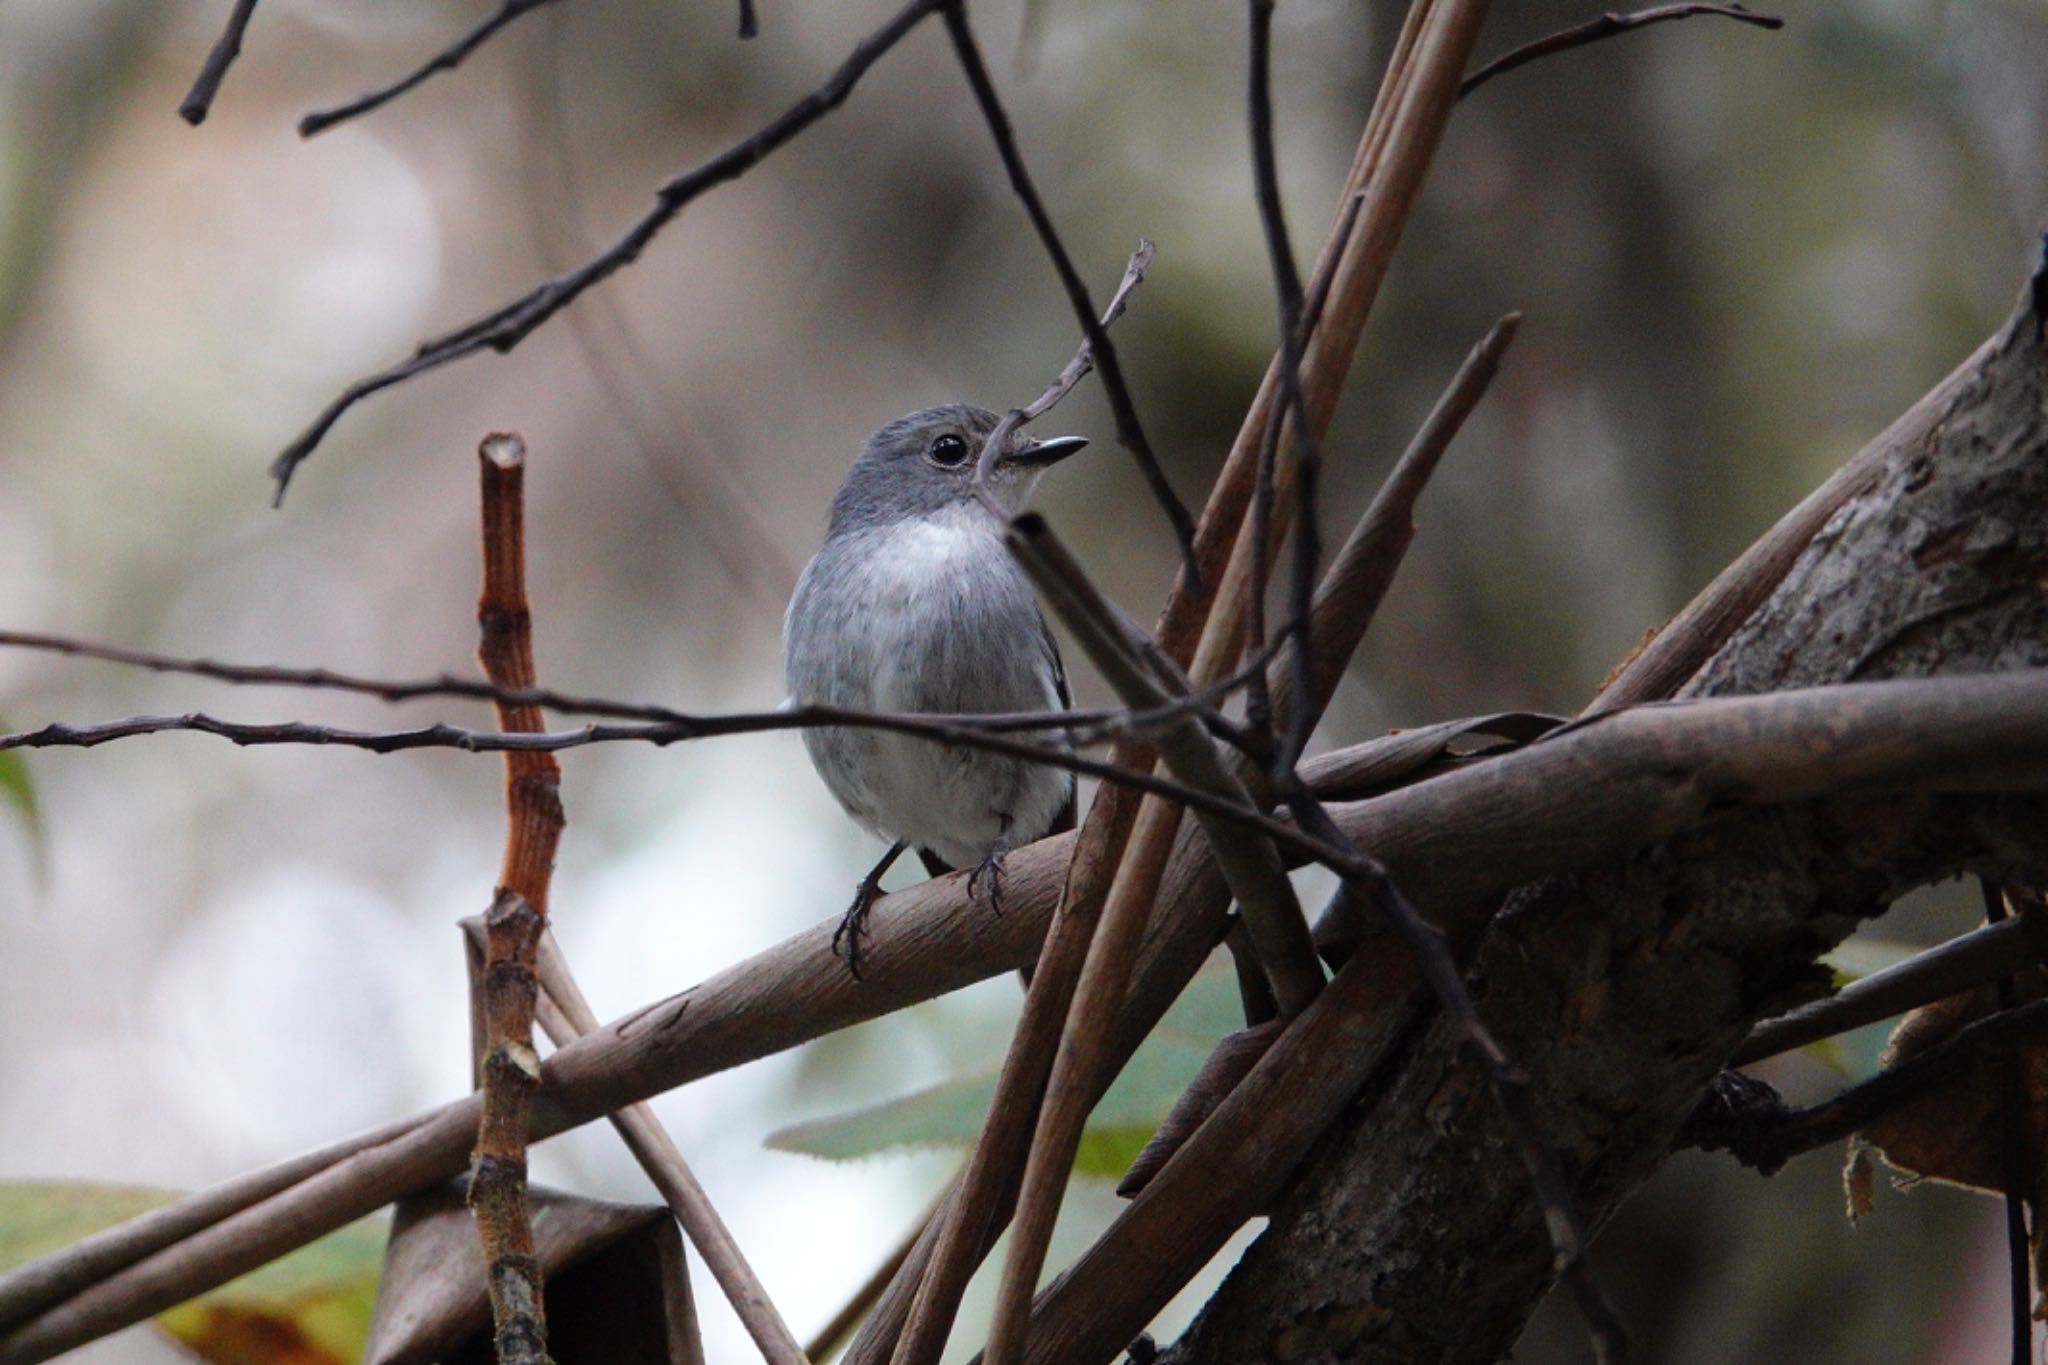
(1129, 855)
(1975, 959)
(533, 805)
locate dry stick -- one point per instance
(533, 805)
(1250, 865)
(2013, 1156)
(1125, 844)
(1130, 433)
(504, 328)
(1975, 959)
(1363, 569)
(450, 57)
(199, 101)
(658, 1155)
(1589, 794)
(1606, 26)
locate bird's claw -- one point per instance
(989, 869)
(853, 927)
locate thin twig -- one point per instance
(504, 328)
(1129, 432)
(663, 1162)
(1962, 964)
(834, 1333)
(1363, 568)
(533, 811)
(447, 59)
(1307, 463)
(199, 101)
(1607, 25)
(1075, 370)
(1080, 726)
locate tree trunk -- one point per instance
(1410, 1235)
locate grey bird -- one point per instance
(915, 605)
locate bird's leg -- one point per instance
(853, 924)
(990, 869)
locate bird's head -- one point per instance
(925, 462)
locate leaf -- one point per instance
(16, 788)
(950, 1114)
(1865, 955)
(311, 1307)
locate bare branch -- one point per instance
(1607, 25)
(1129, 432)
(504, 328)
(450, 57)
(1082, 726)
(199, 100)
(1286, 749)
(1963, 963)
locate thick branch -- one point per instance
(1626, 986)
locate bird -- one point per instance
(914, 604)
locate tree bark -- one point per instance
(1409, 1235)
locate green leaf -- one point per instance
(308, 1308)
(17, 789)
(1865, 955)
(950, 1114)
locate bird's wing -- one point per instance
(1064, 821)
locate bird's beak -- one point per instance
(1041, 454)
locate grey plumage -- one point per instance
(915, 605)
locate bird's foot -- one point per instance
(989, 870)
(853, 927)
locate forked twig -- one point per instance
(504, 328)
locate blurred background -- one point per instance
(1740, 255)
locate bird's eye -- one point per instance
(949, 451)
